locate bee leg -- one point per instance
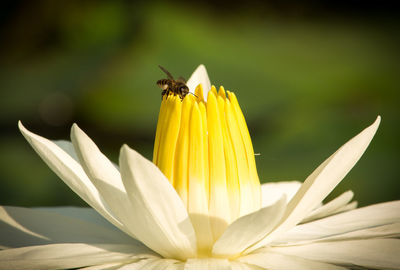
(163, 93)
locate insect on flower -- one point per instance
(170, 85)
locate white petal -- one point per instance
(351, 206)
(64, 256)
(107, 266)
(244, 266)
(322, 181)
(330, 208)
(105, 177)
(208, 263)
(384, 231)
(69, 171)
(271, 260)
(163, 223)
(176, 266)
(25, 227)
(248, 230)
(140, 264)
(160, 264)
(199, 76)
(68, 147)
(372, 253)
(271, 192)
(82, 213)
(95, 163)
(361, 218)
(153, 264)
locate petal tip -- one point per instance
(124, 150)
(374, 126)
(76, 134)
(199, 76)
(202, 68)
(21, 126)
(378, 120)
(25, 132)
(350, 193)
(75, 129)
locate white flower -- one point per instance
(201, 209)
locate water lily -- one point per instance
(199, 204)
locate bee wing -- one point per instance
(166, 72)
(181, 79)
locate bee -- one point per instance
(170, 85)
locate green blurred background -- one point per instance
(308, 76)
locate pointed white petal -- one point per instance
(82, 213)
(322, 181)
(69, 171)
(330, 208)
(107, 266)
(160, 264)
(140, 264)
(199, 76)
(25, 227)
(351, 206)
(163, 223)
(68, 147)
(371, 253)
(65, 256)
(361, 218)
(209, 263)
(271, 192)
(244, 266)
(153, 264)
(176, 266)
(271, 260)
(105, 177)
(248, 230)
(384, 231)
(95, 163)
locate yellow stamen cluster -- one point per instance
(204, 149)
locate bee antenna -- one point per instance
(193, 94)
(166, 72)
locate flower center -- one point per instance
(205, 150)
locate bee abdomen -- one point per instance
(164, 83)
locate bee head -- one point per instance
(184, 88)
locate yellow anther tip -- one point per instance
(221, 92)
(213, 89)
(199, 93)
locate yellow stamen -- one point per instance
(219, 202)
(232, 177)
(169, 136)
(202, 107)
(205, 150)
(241, 122)
(198, 182)
(180, 180)
(160, 126)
